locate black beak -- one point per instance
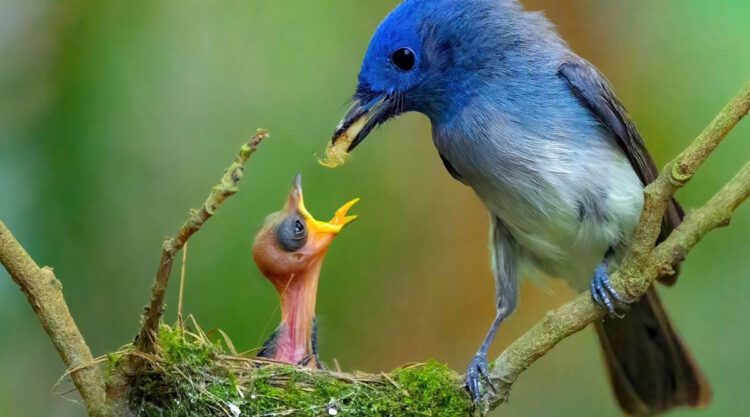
(362, 117)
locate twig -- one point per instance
(118, 384)
(675, 175)
(643, 263)
(44, 293)
(226, 188)
(716, 213)
(182, 288)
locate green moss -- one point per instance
(113, 359)
(183, 351)
(432, 386)
(195, 379)
(425, 390)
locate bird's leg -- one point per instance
(478, 370)
(602, 292)
(505, 255)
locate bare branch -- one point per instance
(226, 188)
(675, 175)
(118, 383)
(716, 213)
(44, 293)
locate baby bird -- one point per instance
(289, 251)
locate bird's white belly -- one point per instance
(567, 195)
(559, 237)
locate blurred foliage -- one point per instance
(116, 117)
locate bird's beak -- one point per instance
(317, 227)
(359, 121)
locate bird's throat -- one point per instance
(298, 297)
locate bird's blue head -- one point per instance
(432, 56)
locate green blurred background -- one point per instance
(116, 117)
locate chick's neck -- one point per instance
(298, 297)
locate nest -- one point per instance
(192, 375)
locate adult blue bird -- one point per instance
(539, 135)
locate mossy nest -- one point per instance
(190, 375)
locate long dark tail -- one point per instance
(650, 369)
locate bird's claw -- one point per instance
(477, 373)
(602, 292)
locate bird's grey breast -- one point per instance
(550, 173)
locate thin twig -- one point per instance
(717, 212)
(118, 384)
(226, 188)
(675, 175)
(182, 289)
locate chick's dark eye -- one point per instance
(299, 228)
(292, 234)
(403, 59)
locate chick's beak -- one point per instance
(332, 227)
(316, 228)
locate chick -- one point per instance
(289, 251)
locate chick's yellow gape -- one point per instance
(289, 251)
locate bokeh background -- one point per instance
(116, 117)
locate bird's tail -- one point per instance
(650, 369)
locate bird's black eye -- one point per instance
(299, 227)
(403, 59)
(292, 233)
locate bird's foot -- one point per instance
(604, 294)
(478, 373)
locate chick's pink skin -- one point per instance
(295, 277)
(295, 274)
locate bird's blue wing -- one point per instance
(451, 169)
(593, 89)
(595, 92)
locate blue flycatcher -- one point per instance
(540, 136)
